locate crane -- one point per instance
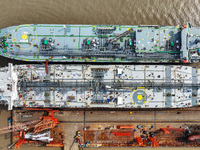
(44, 123)
(17, 127)
(47, 122)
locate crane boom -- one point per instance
(18, 127)
(45, 122)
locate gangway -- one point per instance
(121, 35)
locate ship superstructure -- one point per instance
(100, 43)
(111, 86)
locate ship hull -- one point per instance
(100, 43)
(100, 86)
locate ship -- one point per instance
(101, 43)
(99, 86)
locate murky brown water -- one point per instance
(134, 12)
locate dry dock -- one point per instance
(99, 123)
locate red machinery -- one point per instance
(166, 130)
(139, 141)
(45, 122)
(55, 144)
(125, 127)
(121, 133)
(21, 140)
(153, 141)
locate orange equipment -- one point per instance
(21, 140)
(166, 130)
(154, 142)
(185, 61)
(55, 144)
(121, 133)
(47, 122)
(19, 143)
(125, 127)
(184, 26)
(139, 141)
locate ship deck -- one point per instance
(89, 43)
(111, 86)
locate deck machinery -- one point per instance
(111, 86)
(100, 43)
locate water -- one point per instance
(129, 12)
